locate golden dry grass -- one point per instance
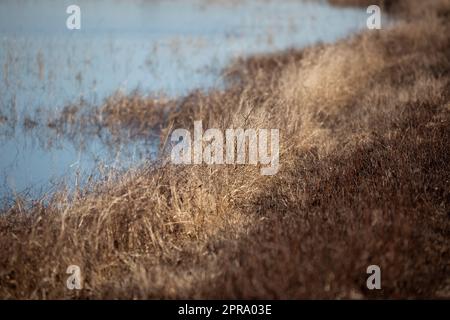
(364, 180)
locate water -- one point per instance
(156, 46)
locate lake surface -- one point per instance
(154, 46)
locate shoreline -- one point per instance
(364, 179)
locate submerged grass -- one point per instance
(364, 180)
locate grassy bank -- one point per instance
(364, 179)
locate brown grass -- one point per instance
(364, 180)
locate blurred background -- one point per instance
(161, 48)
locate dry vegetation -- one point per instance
(364, 180)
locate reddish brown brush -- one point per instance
(365, 179)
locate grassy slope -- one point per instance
(364, 180)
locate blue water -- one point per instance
(168, 47)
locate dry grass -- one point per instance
(364, 180)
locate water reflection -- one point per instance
(156, 46)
